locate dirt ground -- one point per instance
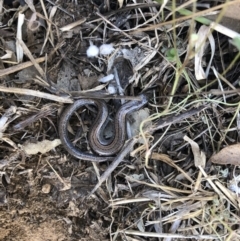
(33, 204)
(27, 213)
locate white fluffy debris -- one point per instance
(111, 89)
(92, 51)
(234, 184)
(106, 49)
(107, 78)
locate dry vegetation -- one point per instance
(177, 177)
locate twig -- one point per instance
(62, 9)
(18, 67)
(35, 93)
(174, 119)
(30, 56)
(170, 235)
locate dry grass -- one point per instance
(169, 190)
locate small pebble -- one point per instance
(112, 89)
(46, 188)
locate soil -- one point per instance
(34, 205)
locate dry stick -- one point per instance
(66, 185)
(18, 67)
(166, 189)
(169, 235)
(198, 14)
(49, 23)
(35, 93)
(116, 28)
(62, 9)
(30, 56)
(44, 112)
(165, 158)
(97, 94)
(126, 8)
(125, 150)
(216, 189)
(124, 33)
(73, 25)
(174, 119)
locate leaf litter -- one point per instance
(177, 178)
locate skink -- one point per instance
(104, 149)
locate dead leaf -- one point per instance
(230, 17)
(138, 117)
(42, 146)
(8, 55)
(120, 3)
(31, 5)
(228, 155)
(232, 11)
(19, 48)
(204, 34)
(4, 120)
(199, 156)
